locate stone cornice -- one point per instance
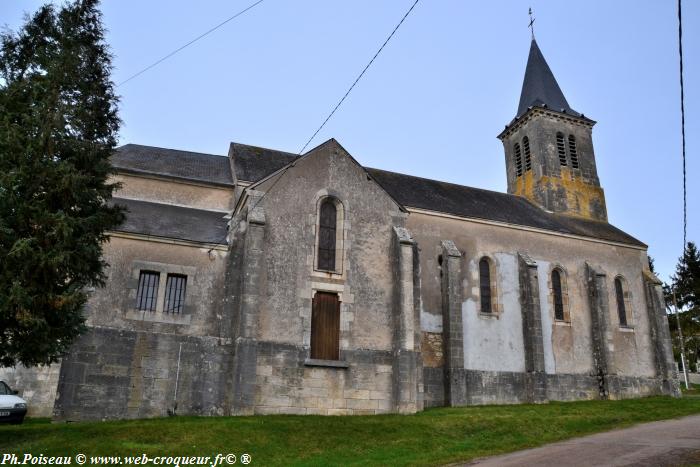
(532, 112)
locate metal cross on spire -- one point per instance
(532, 23)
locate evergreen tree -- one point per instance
(58, 127)
(686, 281)
(686, 284)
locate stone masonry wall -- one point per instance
(284, 384)
(130, 363)
(35, 385)
(379, 366)
(113, 373)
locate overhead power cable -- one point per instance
(333, 111)
(680, 54)
(360, 76)
(190, 42)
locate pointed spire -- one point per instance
(540, 87)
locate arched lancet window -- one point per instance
(561, 149)
(558, 295)
(518, 160)
(526, 150)
(485, 285)
(326, 235)
(620, 291)
(572, 151)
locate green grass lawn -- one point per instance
(693, 389)
(435, 436)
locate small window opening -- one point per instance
(526, 150)
(572, 151)
(561, 149)
(485, 285)
(518, 160)
(326, 240)
(620, 295)
(175, 287)
(147, 294)
(558, 296)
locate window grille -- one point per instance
(526, 150)
(572, 151)
(518, 160)
(561, 149)
(326, 235)
(175, 288)
(147, 294)
(620, 295)
(485, 285)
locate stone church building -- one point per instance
(266, 282)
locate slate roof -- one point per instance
(540, 87)
(253, 163)
(174, 222)
(172, 163)
(476, 203)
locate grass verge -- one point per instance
(432, 437)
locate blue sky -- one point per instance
(434, 101)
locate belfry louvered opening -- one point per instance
(526, 151)
(572, 151)
(561, 149)
(175, 289)
(147, 294)
(518, 160)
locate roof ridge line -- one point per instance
(446, 183)
(168, 149)
(265, 148)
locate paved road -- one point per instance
(666, 443)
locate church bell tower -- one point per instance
(549, 148)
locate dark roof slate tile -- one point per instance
(174, 222)
(173, 163)
(540, 87)
(476, 203)
(253, 163)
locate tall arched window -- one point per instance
(561, 149)
(326, 235)
(621, 305)
(558, 295)
(485, 285)
(526, 150)
(572, 151)
(518, 160)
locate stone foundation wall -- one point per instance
(434, 386)
(35, 385)
(285, 384)
(630, 387)
(504, 387)
(572, 387)
(130, 374)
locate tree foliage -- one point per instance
(686, 285)
(58, 127)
